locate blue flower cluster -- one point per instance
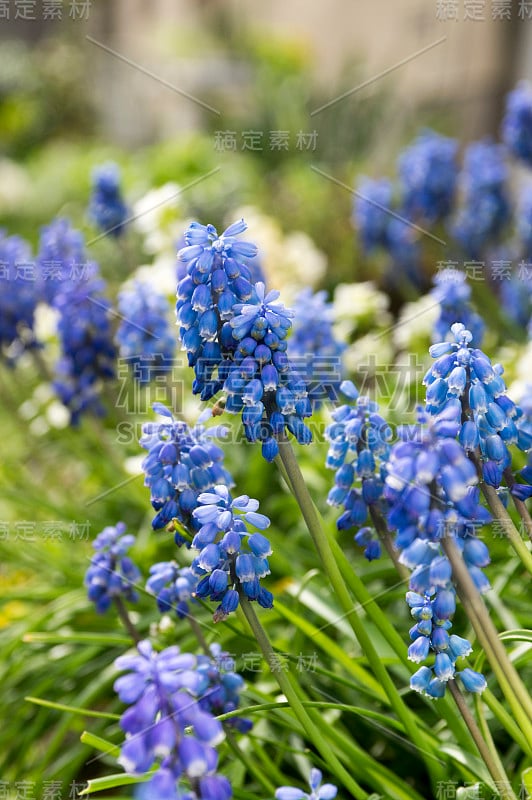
(87, 350)
(318, 790)
(112, 573)
(221, 687)
(231, 560)
(181, 463)
(18, 298)
(463, 380)
(216, 279)
(373, 199)
(486, 208)
(235, 337)
(432, 493)
(173, 586)
(144, 337)
(61, 258)
(517, 123)
(314, 345)
(427, 175)
(166, 725)
(358, 450)
(107, 208)
(453, 293)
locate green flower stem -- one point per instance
(502, 516)
(513, 689)
(486, 733)
(381, 621)
(384, 535)
(249, 764)
(520, 506)
(494, 765)
(126, 620)
(285, 681)
(301, 493)
(507, 721)
(198, 633)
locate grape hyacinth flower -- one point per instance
(524, 220)
(107, 208)
(453, 293)
(221, 687)
(182, 462)
(313, 344)
(486, 208)
(112, 573)
(61, 257)
(173, 586)
(235, 337)
(216, 279)
(18, 298)
(261, 382)
(358, 450)
(517, 122)
(144, 337)
(464, 379)
(165, 725)
(431, 488)
(318, 790)
(87, 350)
(427, 173)
(373, 199)
(231, 560)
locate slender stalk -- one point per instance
(520, 506)
(198, 633)
(250, 765)
(301, 493)
(386, 539)
(486, 733)
(284, 679)
(506, 674)
(502, 516)
(494, 765)
(126, 620)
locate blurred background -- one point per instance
(211, 110)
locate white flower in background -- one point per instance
(46, 319)
(359, 306)
(368, 355)
(162, 273)
(15, 185)
(158, 216)
(290, 262)
(413, 329)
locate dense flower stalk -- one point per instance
(453, 293)
(431, 487)
(144, 337)
(463, 378)
(107, 208)
(486, 208)
(231, 560)
(517, 122)
(235, 337)
(182, 462)
(18, 297)
(61, 258)
(358, 450)
(87, 350)
(427, 176)
(112, 574)
(167, 726)
(314, 346)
